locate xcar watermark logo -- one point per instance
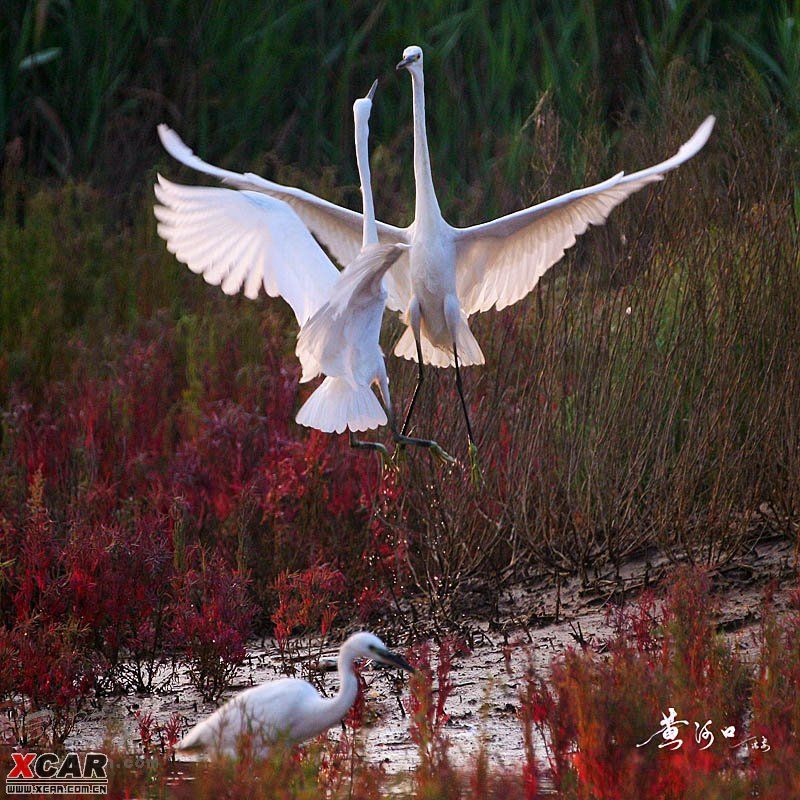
(48, 773)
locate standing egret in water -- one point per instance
(288, 709)
(244, 237)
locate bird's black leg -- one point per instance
(401, 440)
(460, 388)
(420, 378)
(475, 469)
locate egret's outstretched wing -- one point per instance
(339, 229)
(499, 262)
(245, 239)
(341, 339)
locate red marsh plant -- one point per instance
(155, 738)
(308, 603)
(535, 706)
(46, 677)
(47, 666)
(602, 715)
(218, 466)
(119, 589)
(776, 705)
(429, 690)
(213, 618)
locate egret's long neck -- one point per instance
(427, 205)
(370, 234)
(342, 701)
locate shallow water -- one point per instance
(483, 703)
(485, 696)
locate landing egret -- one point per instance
(288, 709)
(451, 273)
(457, 272)
(246, 237)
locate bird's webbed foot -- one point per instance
(386, 459)
(433, 447)
(476, 474)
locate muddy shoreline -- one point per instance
(484, 699)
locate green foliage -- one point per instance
(84, 82)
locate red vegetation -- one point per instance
(212, 619)
(308, 601)
(581, 723)
(601, 717)
(160, 507)
(144, 520)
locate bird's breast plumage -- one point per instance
(433, 278)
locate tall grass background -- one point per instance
(643, 397)
(271, 84)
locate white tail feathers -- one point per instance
(337, 405)
(469, 351)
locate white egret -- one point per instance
(288, 709)
(244, 237)
(451, 273)
(457, 272)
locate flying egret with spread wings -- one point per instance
(456, 272)
(288, 709)
(245, 238)
(451, 273)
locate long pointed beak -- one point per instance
(404, 63)
(394, 659)
(371, 92)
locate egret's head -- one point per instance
(412, 60)
(362, 107)
(367, 645)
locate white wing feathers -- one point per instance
(180, 151)
(245, 239)
(345, 345)
(499, 262)
(253, 235)
(339, 229)
(341, 341)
